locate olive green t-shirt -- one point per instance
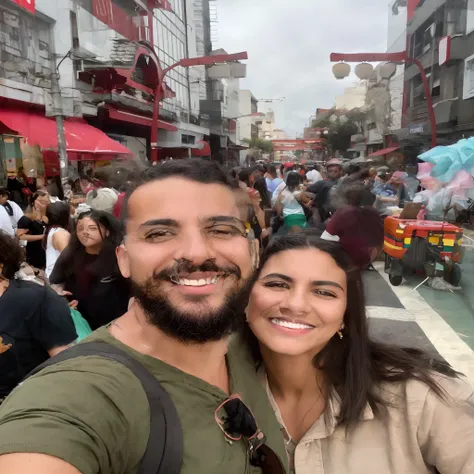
(93, 413)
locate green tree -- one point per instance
(341, 128)
(260, 145)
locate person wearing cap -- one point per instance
(103, 199)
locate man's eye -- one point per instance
(225, 231)
(157, 234)
(276, 284)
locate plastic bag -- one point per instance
(82, 326)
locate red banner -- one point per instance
(27, 4)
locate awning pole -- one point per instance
(58, 106)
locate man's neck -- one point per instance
(204, 361)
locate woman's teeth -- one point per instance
(201, 282)
(290, 325)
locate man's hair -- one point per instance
(11, 255)
(272, 170)
(193, 169)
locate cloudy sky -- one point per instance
(289, 42)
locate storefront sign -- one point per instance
(417, 128)
(444, 50)
(27, 4)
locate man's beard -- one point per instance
(204, 324)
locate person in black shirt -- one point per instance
(88, 272)
(34, 222)
(35, 323)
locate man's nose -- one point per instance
(195, 247)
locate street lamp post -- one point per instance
(189, 62)
(402, 56)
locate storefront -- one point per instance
(29, 140)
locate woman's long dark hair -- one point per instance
(261, 186)
(355, 366)
(59, 215)
(293, 180)
(74, 255)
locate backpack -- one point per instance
(164, 451)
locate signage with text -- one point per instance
(27, 4)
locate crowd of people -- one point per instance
(229, 332)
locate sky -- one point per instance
(289, 43)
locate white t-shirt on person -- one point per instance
(5, 222)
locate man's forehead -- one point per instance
(183, 197)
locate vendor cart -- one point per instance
(416, 246)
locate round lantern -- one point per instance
(387, 70)
(364, 71)
(341, 70)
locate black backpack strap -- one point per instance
(164, 451)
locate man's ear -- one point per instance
(123, 260)
(254, 252)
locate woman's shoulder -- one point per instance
(452, 390)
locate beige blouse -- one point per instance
(419, 433)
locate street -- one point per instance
(439, 322)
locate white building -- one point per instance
(352, 98)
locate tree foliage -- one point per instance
(341, 127)
(263, 146)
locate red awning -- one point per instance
(130, 117)
(80, 136)
(384, 151)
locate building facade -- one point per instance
(427, 25)
(108, 55)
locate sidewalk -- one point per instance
(401, 315)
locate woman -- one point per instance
(386, 195)
(31, 229)
(357, 225)
(288, 204)
(35, 322)
(88, 272)
(56, 238)
(344, 401)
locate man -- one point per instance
(313, 176)
(187, 255)
(272, 179)
(322, 206)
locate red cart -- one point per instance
(413, 245)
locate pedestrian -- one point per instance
(345, 401)
(323, 193)
(313, 176)
(357, 226)
(35, 323)
(188, 256)
(386, 194)
(272, 179)
(103, 199)
(34, 223)
(288, 204)
(11, 207)
(56, 237)
(87, 270)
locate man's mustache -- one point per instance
(185, 266)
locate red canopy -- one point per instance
(80, 136)
(384, 151)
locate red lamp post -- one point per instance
(201, 61)
(394, 57)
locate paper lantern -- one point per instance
(341, 70)
(364, 71)
(387, 70)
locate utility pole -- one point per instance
(58, 114)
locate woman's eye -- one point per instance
(325, 293)
(276, 284)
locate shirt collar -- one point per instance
(327, 422)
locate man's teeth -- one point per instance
(289, 324)
(201, 282)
